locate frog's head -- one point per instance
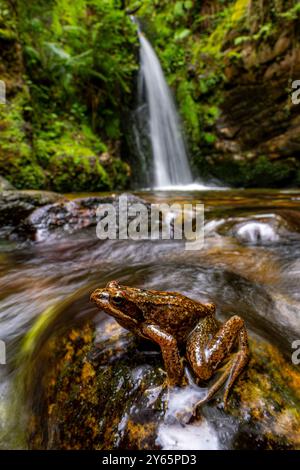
(121, 302)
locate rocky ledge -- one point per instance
(46, 216)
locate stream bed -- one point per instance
(74, 379)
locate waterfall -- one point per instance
(170, 160)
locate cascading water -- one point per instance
(170, 161)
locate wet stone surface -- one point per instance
(112, 394)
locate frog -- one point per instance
(178, 323)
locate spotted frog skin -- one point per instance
(175, 322)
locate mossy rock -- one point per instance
(17, 163)
(111, 393)
(119, 173)
(260, 172)
(78, 172)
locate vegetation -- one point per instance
(203, 46)
(70, 69)
(69, 87)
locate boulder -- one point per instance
(66, 217)
(15, 206)
(103, 389)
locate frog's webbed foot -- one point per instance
(205, 357)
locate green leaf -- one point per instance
(178, 9)
(188, 4)
(57, 51)
(182, 34)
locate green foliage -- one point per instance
(65, 134)
(16, 161)
(76, 169)
(28, 176)
(80, 58)
(80, 48)
(258, 173)
(119, 173)
(265, 173)
(292, 14)
(189, 109)
(77, 73)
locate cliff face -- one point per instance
(232, 65)
(258, 118)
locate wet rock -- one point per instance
(66, 217)
(257, 88)
(16, 205)
(292, 217)
(5, 185)
(256, 233)
(261, 229)
(103, 389)
(281, 45)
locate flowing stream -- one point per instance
(250, 265)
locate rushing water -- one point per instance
(171, 166)
(250, 265)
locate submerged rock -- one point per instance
(103, 389)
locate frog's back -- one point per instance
(173, 312)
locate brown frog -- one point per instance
(174, 321)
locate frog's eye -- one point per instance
(117, 299)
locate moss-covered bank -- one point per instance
(68, 69)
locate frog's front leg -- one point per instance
(170, 352)
(209, 345)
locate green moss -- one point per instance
(189, 109)
(119, 173)
(75, 168)
(72, 156)
(239, 10)
(258, 173)
(77, 73)
(17, 163)
(266, 173)
(29, 176)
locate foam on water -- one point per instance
(175, 433)
(257, 232)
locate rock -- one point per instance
(16, 205)
(265, 54)
(254, 102)
(5, 185)
(102, 389)
(261, 229)
(43, 215)
(281, 45)
(66, 217)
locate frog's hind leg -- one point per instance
(208, 346)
